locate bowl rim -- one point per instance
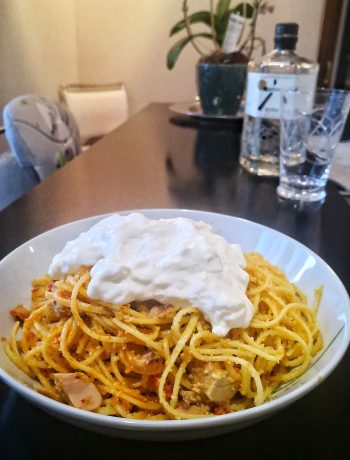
(257, 412)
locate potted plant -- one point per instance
(221, 74)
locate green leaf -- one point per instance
(176, 49)
(221, 26)
(200, 16)
(222, 7)
(249, 10)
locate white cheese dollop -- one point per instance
(175, 261)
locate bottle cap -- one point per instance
(286, 35)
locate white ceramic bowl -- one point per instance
(301, 266)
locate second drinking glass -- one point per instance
(311, 127)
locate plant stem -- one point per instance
(188, 28)
(251, 36)
(213, 30)
(262, 44)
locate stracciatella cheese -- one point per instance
(174, 261)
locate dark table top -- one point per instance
(159, 159)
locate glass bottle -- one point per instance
(280, 69)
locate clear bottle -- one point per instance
(280, 69)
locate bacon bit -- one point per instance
(31, 339)
(144, 306)
(149, 357)
(50, 286)
(59, 311)
(154, 382)
(147, 364)
(161, 310)
(81, 393)
(20, 312)
(139, 308)
(127, 406)
(168, 390)
(220, 410)
(153, 385)
(36, 289)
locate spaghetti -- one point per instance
(145, 360)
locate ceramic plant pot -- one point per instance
(221, 87)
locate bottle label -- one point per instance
(263, 92)
(233, 33)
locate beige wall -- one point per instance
(47, 42)
(307, 13)
(37, 47)
(128, 41)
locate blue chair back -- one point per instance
(42, 134)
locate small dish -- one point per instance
(193, 109)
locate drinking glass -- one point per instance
(311, 127)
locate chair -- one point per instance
(14, 180)
(98, 109)
(42, 135)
